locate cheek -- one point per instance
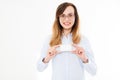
(73, 21)
(60, 21)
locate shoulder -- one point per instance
(84, 40)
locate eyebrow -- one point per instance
(68, 13)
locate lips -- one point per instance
(67, 23)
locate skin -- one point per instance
(67, 26)
(67, 23)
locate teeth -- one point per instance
(66, 23)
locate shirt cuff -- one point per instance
(41, 65)
(89, 62)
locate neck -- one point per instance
(66, 31)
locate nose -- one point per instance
(66, 18)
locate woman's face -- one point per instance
(67, 19)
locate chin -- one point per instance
(67, 28)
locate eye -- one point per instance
(70, 15)
(62, 15)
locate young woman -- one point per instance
(67, 65)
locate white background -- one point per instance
(24, 24)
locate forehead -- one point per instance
(68, 10)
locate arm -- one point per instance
(47, 53)
(41, 65)
(91, 65)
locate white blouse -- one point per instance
(66, 65)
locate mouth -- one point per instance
(67, 23)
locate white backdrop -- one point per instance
(24, 24)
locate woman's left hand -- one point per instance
(80, 52)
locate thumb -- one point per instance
(75, 45)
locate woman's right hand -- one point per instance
(51, 53)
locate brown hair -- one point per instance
(57, 28)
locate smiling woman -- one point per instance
(71, 62)
(67, 18)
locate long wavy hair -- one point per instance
(57, 28)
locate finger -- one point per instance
(74, 51)
(77, 51)
(75, 45)
(55, 52)
(58, 51)
(56, 46)
(50, 54)
(80, 52)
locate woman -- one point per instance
(67, 65)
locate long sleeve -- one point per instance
(91, 65)
(41, 66)
(66, 65)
